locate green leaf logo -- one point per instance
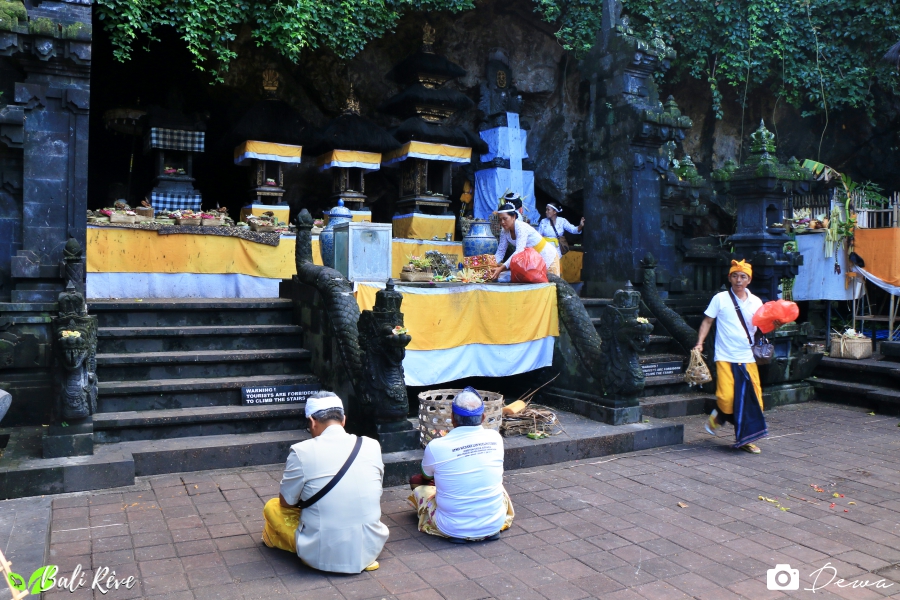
(42, 579)
(17, 581)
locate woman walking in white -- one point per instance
(553, 227)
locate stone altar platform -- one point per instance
(24, 473)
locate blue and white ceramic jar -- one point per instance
(338, 214)
(479, 240)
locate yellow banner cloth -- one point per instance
(429, 151)
(317, 252)
(402, 249)
(112, 250)
(570, 265)
(268, 151)
(282, 212)
(423, 227)
(356, 216)
(350, 158)
(880, 248)
(441, 318)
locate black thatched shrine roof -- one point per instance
(404, 104)
(350, 131)
(273, 121)
(408, 69)
(418, 129)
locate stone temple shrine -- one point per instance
(166, 308)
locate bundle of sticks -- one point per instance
(523, 418)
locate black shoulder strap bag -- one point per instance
(763, 351)
(304, 504)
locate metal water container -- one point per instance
(362, 251)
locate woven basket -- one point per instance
(144, 211)
(852, 348)
(435, 408)
(120, 218)
(187, 221)
(415, 276)
(261, 228)
(212, 222)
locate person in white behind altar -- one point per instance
(339, 530)
(554, 228)
(523, 236)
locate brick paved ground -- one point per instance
(609, 528)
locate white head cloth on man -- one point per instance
(314, 405)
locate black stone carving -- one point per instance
(75, 343)
(371, 353)
(383, 352)
(684, 334)
(624, 334)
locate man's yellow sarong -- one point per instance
(281, 526)
(725, 386)
(424, 500)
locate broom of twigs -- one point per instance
(534, 418)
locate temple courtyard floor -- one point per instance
(697, 520)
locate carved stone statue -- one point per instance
(624, 334)
(75, 345)
(383, 352)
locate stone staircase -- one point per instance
(664, 362)
(171, 373)
(873, 382)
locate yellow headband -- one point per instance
(742, 267)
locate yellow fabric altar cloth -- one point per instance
(444, 317)
(417, 226)
(267, 151)
(282, 212)
(370, 161)
(357, 216)
(570, 266)
(402, 249)
(457, 154)
(113, 250)
(880, 248)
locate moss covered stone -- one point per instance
(77, 31)
(43, 26)
(10, 15)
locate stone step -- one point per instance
(160, 394)
(201, 363)
(187, 422)
(677, 405)
(884, 400)
(891, 351)
(664, 385)
(191, 338)
(871, 371)
(172, 312)
(595, 306)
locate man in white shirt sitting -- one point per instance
(341, 530)
(460, 493)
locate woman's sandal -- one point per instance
(751, 448)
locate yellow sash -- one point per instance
(540, 245)
(554, 241)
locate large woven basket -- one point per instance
(852, 348)
(435, 409)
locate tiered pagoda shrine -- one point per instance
(269, 135)
(350, 146)
(429, 145)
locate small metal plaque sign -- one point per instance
(277, 394)
(664, 368)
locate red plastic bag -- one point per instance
(527, 267)
(776, 310)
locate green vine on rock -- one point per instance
(772, 44)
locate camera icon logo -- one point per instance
(783, 577)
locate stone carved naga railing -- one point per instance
(683, 334)
(369, 350)
(611, 356)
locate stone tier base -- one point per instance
(24, 473)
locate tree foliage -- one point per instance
(817, 55)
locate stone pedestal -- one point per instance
(891, 350)
(402, 435)
(597, 408)
(75, 439)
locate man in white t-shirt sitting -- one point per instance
(460, 494)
